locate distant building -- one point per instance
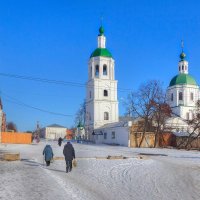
(53, 132)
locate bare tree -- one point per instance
(80, 114)
(162, 112)
(11, 126)
(148, 104)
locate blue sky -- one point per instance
(54, 39)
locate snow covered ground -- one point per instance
(165, 174)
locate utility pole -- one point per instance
(37, 132)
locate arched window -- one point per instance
(106, 116)
(105, 93)
(180, 96)
(182, 67)
(104, 69)
(191, 96)
(97, 70)
(179, 68)
(91, 71)
(90, 94)
(172, 97)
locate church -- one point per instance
(182, 95)
(102, 123)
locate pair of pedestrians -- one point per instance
(68, 152)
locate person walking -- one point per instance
(60, 141)
(48, 154)
(69, 154)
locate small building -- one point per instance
(116, 133)
(53, 132)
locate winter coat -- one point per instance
(69, 152)
(48, 152)
(60, 141)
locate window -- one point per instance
(97, 71)
(105, 93)
(91, 70)
(105, 136)
(180, 97)
(191, 96)
(89, 116)
(90, 94)
(187, 116)
(172, 97)
(106, 116)
(179, 68)
(104, 69)
(113, 135)
(182, 67)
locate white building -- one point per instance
(116, 133)
(101, 96)
(182, 95)
(53, 132)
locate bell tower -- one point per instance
(101, 91)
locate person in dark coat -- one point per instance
(69, 154)
(60, 141)
(48, 154)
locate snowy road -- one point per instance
(175, 176)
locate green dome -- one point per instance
(101, 31)
(182, 79)
(182, 56)
(79, 125)
(101, 52)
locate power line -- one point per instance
(13, 100)
(43, 80)
(58, 82)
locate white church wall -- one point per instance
(186, 107)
